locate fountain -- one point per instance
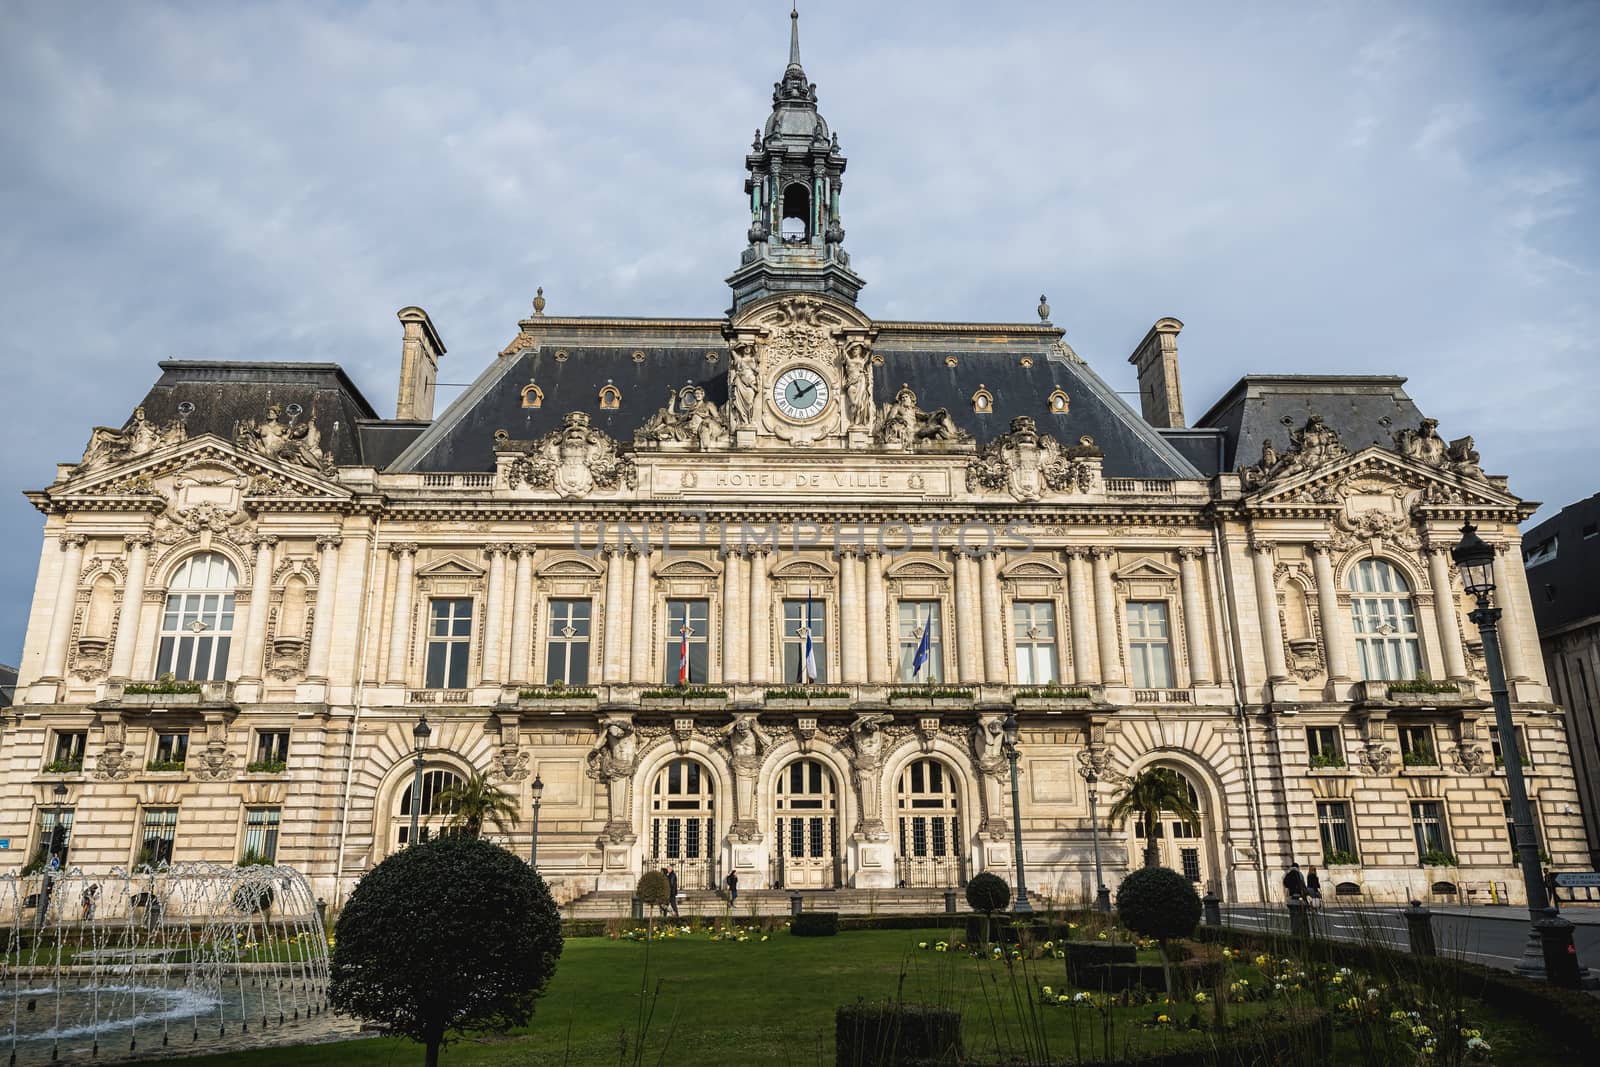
(192, 955)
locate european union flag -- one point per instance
(924, 648)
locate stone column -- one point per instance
(760, 615)
(322, 625)
(1514, 625)
(968, 636)
(1263, 558)
(1080, 602)
(66, 605)
(611, 664)
(520, 669)
(994, 620)
(494, 613)
(877, 625)
(1196, 622)
(1335, 646)
(1105, 619)
(1445, 613)
(849, 636)
(642, 611)
(255, 628)
(735, 654)
(133, 601)
(398, 667)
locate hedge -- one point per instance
(896, 1035)
(815, 924)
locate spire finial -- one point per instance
(794, 35)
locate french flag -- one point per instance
(683, 658)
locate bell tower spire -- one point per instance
(794, 176)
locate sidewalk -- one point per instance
(1576, 914)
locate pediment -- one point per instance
(450, 566)
(186, 468)
(918, 567)
(1146, 567)
(801, 568)
(686, 568)
(569, 564)
(1029, 567)
(1378, 479)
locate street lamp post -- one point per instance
(533, 848)
(1019, 905)
(1475, 559)
(1091, 778)
(419, 738)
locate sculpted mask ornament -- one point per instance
(1376, 758)
(113, 763)
(573, 460)
(1470, 758)
(293, 443)
(108, 446)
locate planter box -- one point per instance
(208, 693)
(1386, 694)
(1042, 702)
(812, 704)
(683, 704)
(558, 703)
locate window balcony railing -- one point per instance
(1162, 696)
(168, 693)
(440, 696)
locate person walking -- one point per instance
(1294, 883)
(1550, 889)
(666, 872)
(733, 888)
(672, 889)
(1313, 886)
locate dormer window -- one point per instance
(796, 224)
(532, 396)
(982, 401)
(610, 397)
(1059, 402)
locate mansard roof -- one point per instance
(945, 364)
(212, 396)
(1362, 409)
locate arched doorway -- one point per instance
(682, 823)
(434, 815)
(928, 810)
(806, 826)
(1179, 843)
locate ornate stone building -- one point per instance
(861, 543)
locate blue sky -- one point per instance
(1351, 188)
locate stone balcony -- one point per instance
(168, 696)
(1416, 696)
(800, 699)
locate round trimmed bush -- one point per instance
(1158, 902)
(653, 889)
(988, 893)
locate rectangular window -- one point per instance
(567, 649)
(261, 835)
(271, 751)
(55, 837)
(67, 755)
(687, 620)
(1322, 746)
(1338, 841)
(172, 751)
(1499, 752)
(915, 616)
(1033, 629)
(798, 617)
(1416, 747)
(160, 831)
(449, 642)
(1511, 829)
(1149, 644)
(1427, 825)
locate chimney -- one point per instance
(1160, 395)
(419, 365)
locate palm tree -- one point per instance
(474, 802)
(1148, 794)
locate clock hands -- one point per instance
(803, 390)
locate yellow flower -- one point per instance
(1163, 1019)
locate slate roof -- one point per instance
(1565, 587)
(223, 393)
(675, 354)
(1363, 409)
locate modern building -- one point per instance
(1562, 555)
(756, 592)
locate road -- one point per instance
(1495, 939)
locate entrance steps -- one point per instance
(706, 904)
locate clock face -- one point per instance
(800, 393)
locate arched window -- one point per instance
(796, 224)
(433, 814)
(1179, 841)
(928, 810)
(682, 823)
(1385, 622)
(806, 824)
(197, 625)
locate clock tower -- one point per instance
(796, 239)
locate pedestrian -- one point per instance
(733, 888)
(672, 889)
(90, 895)
(1550, 889)
(1294, 883)
(666, 872)
(1313, 885)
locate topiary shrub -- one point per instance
(653, 889)
(1158, 902)
(450, 935)
(815, 924)
(988, 893)
(896, 1034)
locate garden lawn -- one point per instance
(739, 1003)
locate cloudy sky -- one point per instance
(1351, 187)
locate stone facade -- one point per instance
(615, 496)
